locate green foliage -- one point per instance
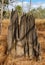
(38, 13)
(0, 0)
(6, 14)
(5, 1)
(19, 9)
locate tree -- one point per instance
(38, 13)
(4, 1)
(19, 9)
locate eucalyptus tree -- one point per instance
(19, 9)
(2, 6)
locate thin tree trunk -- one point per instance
(2, 9)
(30, 6)
(1, 15)
(0, 18)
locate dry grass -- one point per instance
(5, 24)
(40, 21)
(40, 24)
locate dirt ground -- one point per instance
(8, 60)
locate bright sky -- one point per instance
(26, 4)
(34, 1)
(38, 1)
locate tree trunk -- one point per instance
(1, 15)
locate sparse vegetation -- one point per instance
(39, 12)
